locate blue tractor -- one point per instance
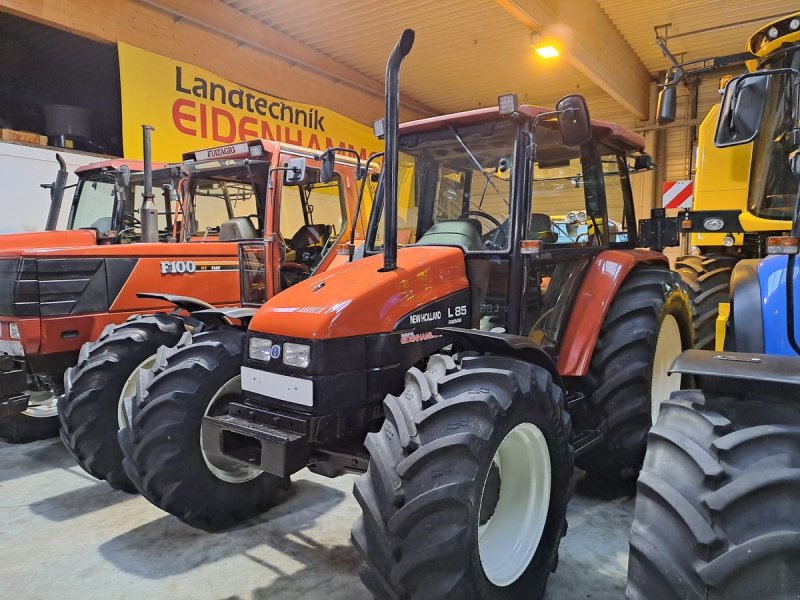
(718, 500)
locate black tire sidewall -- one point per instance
(530, 583)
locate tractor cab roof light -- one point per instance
(256, 150)
(508, 104)
(530, 246)
(783, 244)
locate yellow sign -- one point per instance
(191, 109)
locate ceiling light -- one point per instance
(548, 51)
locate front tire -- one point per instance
(467, 486)
(716, 511)
(647, 326)
(38, 422)
(106, 373)
(164, 457)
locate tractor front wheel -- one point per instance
(467, 486)
(164, 454)
(91, 411)
(716, 510)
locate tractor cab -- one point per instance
(108, 200)
(763, 107)
(527, 210)
(281, 241)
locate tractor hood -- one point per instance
(14, 244)
(360, 299)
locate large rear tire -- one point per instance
(164, 457)
(716, 512)
(95, 388)
(467, 486)
(708, 278)
(647, 326)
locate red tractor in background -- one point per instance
(478, 361)
(296, 225)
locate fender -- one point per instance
(187, 303)
(734, 372)
(514, 346)
(600, 285)
(748, 325)
(210, 316)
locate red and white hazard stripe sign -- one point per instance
(677, 194)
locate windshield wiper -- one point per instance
(477, 163)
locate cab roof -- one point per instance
(116, 163)
(606, 134)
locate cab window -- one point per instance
(217, 200)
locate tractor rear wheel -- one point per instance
(647, 326)
(467, 486)
(164, 455)
(95, 390)
(716, 510)
(708, 278)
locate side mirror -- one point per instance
(124, 176)
(573, 120)
(328, 159)
(668, 98)
(742, 109)
(295, 170)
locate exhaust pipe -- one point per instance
(390, 160)
(148, 214)
(56, 194)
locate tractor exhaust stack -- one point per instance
(56, 193)
(148, 215)
(399, 52)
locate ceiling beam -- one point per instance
(230, 22)
(592, 44)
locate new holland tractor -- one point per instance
(462, 374)
(717, 506)
(741, 198)
(298, 223)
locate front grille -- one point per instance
(50, 287)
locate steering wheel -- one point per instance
(480, 213)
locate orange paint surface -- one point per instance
(603, 278)
(359, 299)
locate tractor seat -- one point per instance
(310, 235)
(238, 228)
(541, 228)
(465, 233)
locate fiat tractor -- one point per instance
(717, 506)
(462, 373)
(742, 196)
(53, 283)
(269, 193)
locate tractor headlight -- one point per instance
(13, 331)
(296, 355)
(260, 349)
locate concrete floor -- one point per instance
(65, 535)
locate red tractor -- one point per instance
(479, 361)
(266, 192)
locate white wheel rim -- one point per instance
(668, 347)
(42, 405)
(509, 539)
(226, 469)
(125, 402)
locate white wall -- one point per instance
(23, 203)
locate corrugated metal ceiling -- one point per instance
(469, 51)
